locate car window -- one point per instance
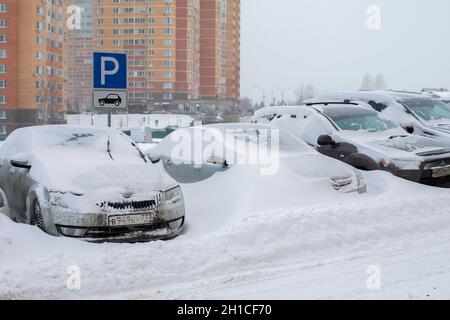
(369, 123)
(314, 126)
(428, 109)
(20, 141)
(98, 142)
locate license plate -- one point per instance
(131, 220)
(441, 172)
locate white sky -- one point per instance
(327, 43)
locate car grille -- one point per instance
(152, 203)
(339, 183)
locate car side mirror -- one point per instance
(409, 127)
(214, 160)
(154, 156)
(21, 162)
(325, 140)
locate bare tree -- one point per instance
(380, 84)
(246, 105)
(304, 92)
(367, 82)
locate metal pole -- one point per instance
(109, 118)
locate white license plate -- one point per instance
(441, 172)
(131, 220)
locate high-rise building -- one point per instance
(78, 48)
(180, 54)
(31, 63)
(220, 51)
(146, 31)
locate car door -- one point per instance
(6, 182)
(20, 178)
(189, 169)
(21, 185)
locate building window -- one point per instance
(3, 84)
(2, 23)
(2, 99)
(2, 68)
(3, 7)
(2, 114)
(3, 38)
(2, 130)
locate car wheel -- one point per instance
(102, 103)
(3, 206)
(38, 219)
(117, 103)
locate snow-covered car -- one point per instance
(89, 183)
(442, 95)
(195, 154)
(358, 136)
(424, 115)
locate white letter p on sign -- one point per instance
(108, 72)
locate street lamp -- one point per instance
(275, 85)
(264, 94)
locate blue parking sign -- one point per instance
(110, 71)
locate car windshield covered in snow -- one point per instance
(429, 110)
(356, 119)
(266, 136)
(100, 142)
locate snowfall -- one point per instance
(391, 243)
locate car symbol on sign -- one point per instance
(114, 99)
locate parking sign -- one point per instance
(110, 71)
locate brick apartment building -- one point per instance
(182, 54)
(31, 63)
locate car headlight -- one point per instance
(360, 183)
(174, 195)
(72, 232)
(406, 164)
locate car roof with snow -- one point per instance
(335, 111)
(388, 95)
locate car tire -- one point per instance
(102, 103)
(117, 104)
(4, 203)
(38, 219)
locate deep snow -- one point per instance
(320, 248)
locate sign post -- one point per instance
(110, 82)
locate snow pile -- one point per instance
(252, 250)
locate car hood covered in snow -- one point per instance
(394, 143)
(87, 160)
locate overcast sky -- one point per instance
(327, 43)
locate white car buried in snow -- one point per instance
(88, 183)
(196, 154)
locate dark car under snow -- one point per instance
(358, 136)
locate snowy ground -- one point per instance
(310, 250)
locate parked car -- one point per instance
(88, 183)
(223, 148)
(444, 96)
(358, 136)
(114, 99)
(423, 114)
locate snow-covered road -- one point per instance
(314, 251)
